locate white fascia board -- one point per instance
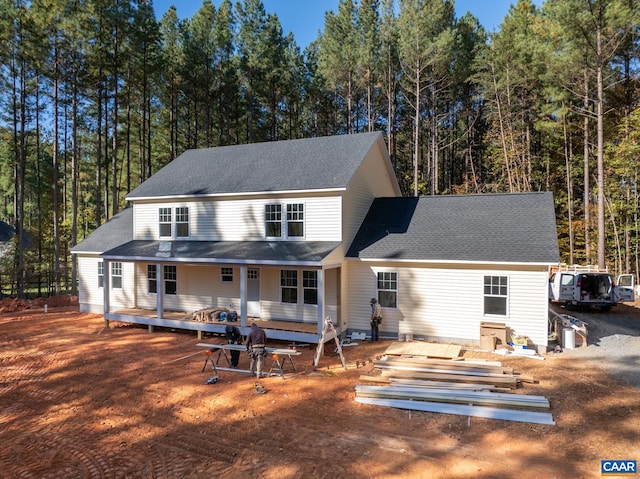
(232, 194)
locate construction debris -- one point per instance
(452, 387)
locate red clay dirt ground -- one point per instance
(80, 401)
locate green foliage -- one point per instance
(464, 111)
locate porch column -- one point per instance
(160, 290)
(320, 300)
(106, 282)
(243, 296)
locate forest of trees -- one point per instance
(98, 95)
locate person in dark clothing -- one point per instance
(256, 342)
(234, 337)
(376, 318)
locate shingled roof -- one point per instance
(116, 231)
(503, 228)
(291, 165)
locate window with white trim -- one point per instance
(116, 275)
(289, 285)
(295, 220)
(387, 289)
(100, 274)
(182, 222)
(495, 295)
(164, 222)
(170, 280)
(310, 287)
(273, 221)
(152, 279)
(226, 275)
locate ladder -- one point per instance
(328, 328)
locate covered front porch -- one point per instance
(288, 287)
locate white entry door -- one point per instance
(253, 292)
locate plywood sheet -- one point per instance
(431, 350)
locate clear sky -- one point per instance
(305, 18)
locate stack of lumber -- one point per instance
(479, 389)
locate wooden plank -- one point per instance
(445, 364)
(508, 381)
(453, 396)
(460, 409)
(421, 383)
(409, 367)
(373, 379)
(419, 348)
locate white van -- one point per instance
(588, 287)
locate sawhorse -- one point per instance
(280, 363)
(208, 359)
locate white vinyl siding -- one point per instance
(446, 304)
(91, 296)
(243, 219)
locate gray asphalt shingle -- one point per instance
(509, 228)
(291, 165)
(116, 231)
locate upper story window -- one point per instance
(295, 220)
(182, 222)
(388, 289)
(273, 221)
(116, 275)
(495, 295)
(166, 222)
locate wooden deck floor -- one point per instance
(311, 328)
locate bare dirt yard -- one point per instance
(81, 401)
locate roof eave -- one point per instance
(235, 194)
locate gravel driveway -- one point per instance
(613, 341)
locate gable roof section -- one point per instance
(495, 228)
(323, 163)
(116, 231)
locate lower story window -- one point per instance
(170, 280)
(100, 274)
(116, 275)
(310, 287)
(152, 279)
(495, 295)
(226, 275)
(289, 286)
(388, 289)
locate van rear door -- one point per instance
(567, 287)
(624, 288)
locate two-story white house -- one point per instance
(291, 232)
